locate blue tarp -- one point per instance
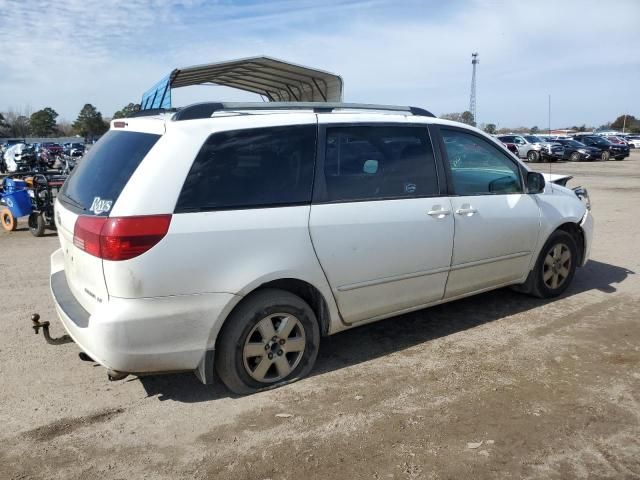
(158, 96)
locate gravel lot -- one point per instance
(496, 386)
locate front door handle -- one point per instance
(438, 212)
(466, 210)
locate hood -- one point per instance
(558, 179)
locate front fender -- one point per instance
(558, 206)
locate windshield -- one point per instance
(600, 141)
(96, 183)
(573, 143)
(533, 139)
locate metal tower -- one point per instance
(472, 99)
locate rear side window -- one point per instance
(376, 162)
(251, 168)
(97, 181)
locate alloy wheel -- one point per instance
(557, 266)
(274, 347)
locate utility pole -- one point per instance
(472, 99)
(624, 122)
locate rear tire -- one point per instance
(9, 222)
(36, 224)
(270, 339)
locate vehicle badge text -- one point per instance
(100, 206)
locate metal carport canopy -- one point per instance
(274, 79)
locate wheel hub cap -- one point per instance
(274, 347)
(557, 265)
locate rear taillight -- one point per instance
(86, 234)
(119, 238)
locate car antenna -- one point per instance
(550, 149)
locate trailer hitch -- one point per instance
(37, 325)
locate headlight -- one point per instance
(582, 150)
(583, 195)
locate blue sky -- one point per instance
(586, 54)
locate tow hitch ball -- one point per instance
(37, 325)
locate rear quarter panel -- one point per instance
(232, 251)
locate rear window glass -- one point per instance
(251, 168)
(96, 183)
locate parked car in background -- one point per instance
(73, 149)
(607, 149)
(576, 151)
(618, 140)
(512, 147)
(52, 148)
(303, 225)
(633, 141)
(533, 148)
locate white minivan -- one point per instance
(230, 238)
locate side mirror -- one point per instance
(535, 182)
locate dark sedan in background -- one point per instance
(607, 149)
(576, 151)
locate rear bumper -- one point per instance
(143, 335)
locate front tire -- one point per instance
(555, 267)
(269, 340)
(533, 156)
(605, 156)
(574, 157)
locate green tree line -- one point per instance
(90, 123)
(44, 123)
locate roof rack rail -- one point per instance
(205, 110)
(152, 111)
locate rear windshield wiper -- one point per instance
(67, 199)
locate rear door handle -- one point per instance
(468, 211)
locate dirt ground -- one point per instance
(496, 386)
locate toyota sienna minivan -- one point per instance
(231, 238)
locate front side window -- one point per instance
(478, 167)
(251, 168)
(376, 162)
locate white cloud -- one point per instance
(584, 53)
